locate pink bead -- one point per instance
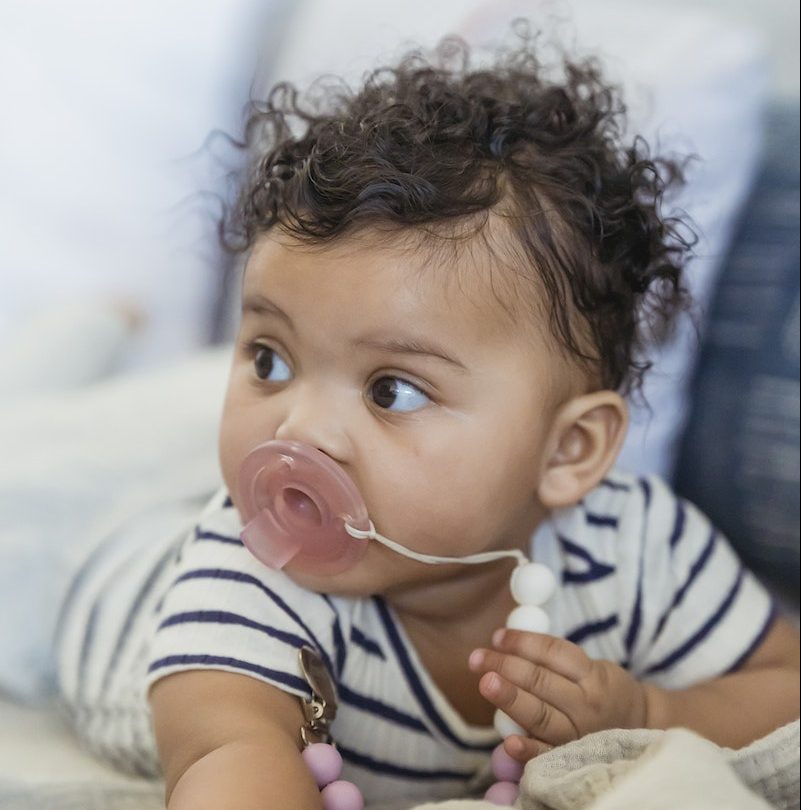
(503, 793)
(342, 796)
(504, 767)
(324, 761)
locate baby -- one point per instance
(451, 278)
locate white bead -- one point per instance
(505, 726)
(532, 584)
(529, 617)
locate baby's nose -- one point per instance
(313, 420)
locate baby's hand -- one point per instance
(554, 690)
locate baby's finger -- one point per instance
(549, 686)
(523, 749)
(558, 654)
(538, 718)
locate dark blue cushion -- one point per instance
(739, 459)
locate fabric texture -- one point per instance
(41, 768)
(142, 610)
(658, 770)
(620, 769)
(748, 384)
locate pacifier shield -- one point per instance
(295, 504)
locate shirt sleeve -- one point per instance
(697, 612)
(224, 610)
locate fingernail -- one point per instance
(498, 637)
(491, 683)
(476, 659)
(517, 745)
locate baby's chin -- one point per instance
(349, 584)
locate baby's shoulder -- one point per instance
(618, 518)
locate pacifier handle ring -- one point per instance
(433, 559)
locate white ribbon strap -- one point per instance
(432, 559)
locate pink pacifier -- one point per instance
(295, 503)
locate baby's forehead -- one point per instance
(473, 262)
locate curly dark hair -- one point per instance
(432, 142)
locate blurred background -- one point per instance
(114, 290)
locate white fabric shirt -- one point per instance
(645, 582)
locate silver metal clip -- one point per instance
(320, 711)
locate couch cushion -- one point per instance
(739, 459)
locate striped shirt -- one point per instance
(645, 582)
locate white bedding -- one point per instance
(82, 463)
(42, 768)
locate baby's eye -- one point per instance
(395, 394)
(270, 366)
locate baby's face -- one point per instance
(414, 379)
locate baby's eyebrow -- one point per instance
(404, 345)
(260, 305)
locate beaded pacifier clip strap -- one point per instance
(320, 756)
(532, 585)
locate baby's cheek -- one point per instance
(237, 437)
(435, 514)
(247, 421)
(226, 467)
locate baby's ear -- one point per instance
(585, 440)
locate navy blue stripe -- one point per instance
(142, 594)
(92, 562)
(367, 644)
(391, 769)
(636, 614)
(773, 614)
(595, 570)
(592, 629)
(292, 681)
(681, 652)
(78, 581)
(223, 617)
(608, 521)
(201, 534)
(376, 707)
(695, 570)
(585, 577)
(100, 597)
(247, 579)
(609, 484)
(227, 503)
(645, 486)
(336, 633)
(415, 684)
(678, 524)
(636, 617)
(86, 650)
(339, 646)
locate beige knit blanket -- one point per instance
(658, 770)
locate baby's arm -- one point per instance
(557, 693)
(228, 740)
(741, 706)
